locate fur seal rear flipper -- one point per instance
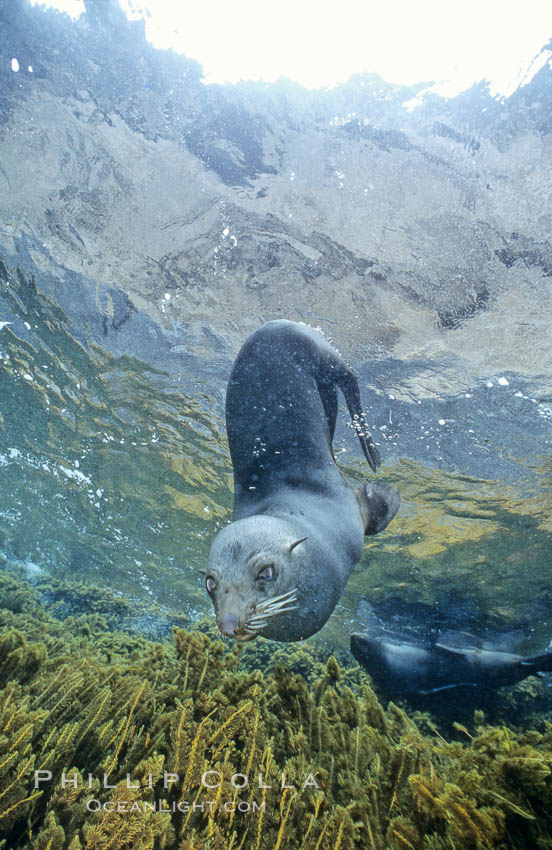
(279, 568)
(342, 377)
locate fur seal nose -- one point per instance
(229, 624)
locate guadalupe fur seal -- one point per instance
(416, 669)
(279, 568)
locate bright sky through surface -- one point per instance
(316, 44)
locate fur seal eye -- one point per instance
(210, 584)
(267, 573)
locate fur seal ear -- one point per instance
(297, 542)
(378, 503)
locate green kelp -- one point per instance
(460, 545)
(145, 745)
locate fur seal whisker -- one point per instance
(255, 627)
(283, 598)
(276, 608)
(273, 613)
(278, 604)
(269, 612)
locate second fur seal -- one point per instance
(279, 568)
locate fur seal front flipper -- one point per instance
(279, 568)
(378, 504)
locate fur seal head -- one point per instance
(260, 579)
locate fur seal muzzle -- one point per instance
(279, 568)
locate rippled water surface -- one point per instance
(111, 473)
(115, 476)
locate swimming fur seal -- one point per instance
(417, 669)
(279, 568)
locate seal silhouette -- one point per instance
(279, 568)
(420, 669)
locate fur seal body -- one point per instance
(279, 568)
(410, 669)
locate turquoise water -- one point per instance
(114, 477)
(111, 474)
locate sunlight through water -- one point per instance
(453, 45)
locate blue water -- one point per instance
(114, 477)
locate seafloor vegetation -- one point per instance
(79, 699)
